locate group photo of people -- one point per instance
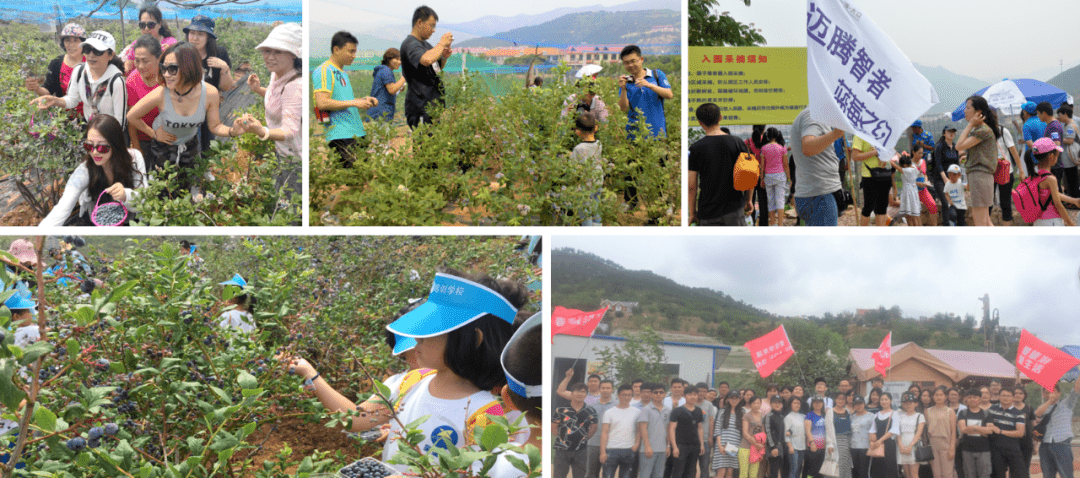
(453, 126)
(153, 108)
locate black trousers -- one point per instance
(860, 463)
(1007, 459)
(685, 466)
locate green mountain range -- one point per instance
(592, 28)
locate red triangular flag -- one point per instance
(883, 356)
(1042, 362)
(770, 351)
(575, 322)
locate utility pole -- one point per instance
(988, 328)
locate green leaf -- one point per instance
(246, 380)
(35, 350)
(517, 462)
(221, 394)
(224, 440)
(10, 394)
(44, 418)
(493, 436)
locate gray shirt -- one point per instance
(1060, 428)
(860, 430)
(795, 430)
(815, 175)
(600, 408)
(657, 420)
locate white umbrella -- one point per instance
(588, 70)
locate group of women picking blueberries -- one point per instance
(157, 102)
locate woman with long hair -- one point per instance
(97, 83)
(59, 74)
(727, 430)
(140, 82)
(882, 434)
(385, 88)
(815, 435)
(216, 65)
(753, 426)
(873, 404)
(283, 96)
(186, 103)
(150, 23)
(979, 139)
(109, 171)
(838, 433)
(795, 436)
(776, 174)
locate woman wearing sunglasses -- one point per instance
(97, 82)
(283, 97)
(108, 167)
(185, 104)
(59, 74)
(149, 24)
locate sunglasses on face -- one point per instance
(171, 69)
(145, 25)
(87, 50)
(100, 148)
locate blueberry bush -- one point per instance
(499, 160)
(137, 378)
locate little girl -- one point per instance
(909, 193)
(925, 197)
(776, 175)
(1045, 153)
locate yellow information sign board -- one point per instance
(751, 85)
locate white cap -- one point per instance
(101, 40)
(954, 168)
(285, 37)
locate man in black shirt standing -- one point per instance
(572, 427)
(1007, 425)
(712, 166)
(974, 425)
(420, 65)
(686, 432)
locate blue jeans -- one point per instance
(818, 210)
(651, 467)
(1056, 459)
(620, 458)
(795, 470)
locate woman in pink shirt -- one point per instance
(284, 95)
(140, 82)
(777, 176)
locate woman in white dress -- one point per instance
(911, 427)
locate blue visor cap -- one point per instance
(452, 303)
(403, 344)
(236, 281)
(20, 300)
(517, 386)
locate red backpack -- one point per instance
(1026, 198)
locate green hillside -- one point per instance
(591, 28)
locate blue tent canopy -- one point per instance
(1032, 90)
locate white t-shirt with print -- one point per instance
(447, 418)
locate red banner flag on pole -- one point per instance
(770, 351)
(1042, 362)
(575, 322)
(883, 356)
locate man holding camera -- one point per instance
(642, 89)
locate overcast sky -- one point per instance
(450, 11)
(953, 34)
(923, 275)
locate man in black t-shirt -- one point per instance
(686, 432)
(421, 64)
(974, 426)
(1007, 425)
(572, 427)
(712, 165)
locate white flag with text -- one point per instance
(858, 80)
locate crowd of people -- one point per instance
(157, 101)
(974, 170)
(682, 430)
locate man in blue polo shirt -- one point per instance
(920, 136)
(642, 89)
(334, 95)
(1033, 129)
